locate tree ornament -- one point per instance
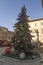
(22, 55)
(12, 50)
(7, 51)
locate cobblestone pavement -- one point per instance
(9, 61)
(41, 54)
(2, 50)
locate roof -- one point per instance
(36, 20)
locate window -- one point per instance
(42, 30)
(9, 37)
(35, 24)
(41, 23)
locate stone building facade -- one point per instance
(5, 34)
(36, 25)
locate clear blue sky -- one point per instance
(9, 9)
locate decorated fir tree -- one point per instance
(22, 36)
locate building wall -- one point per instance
(5, 34)
(36, 25)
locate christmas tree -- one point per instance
(22, 36)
